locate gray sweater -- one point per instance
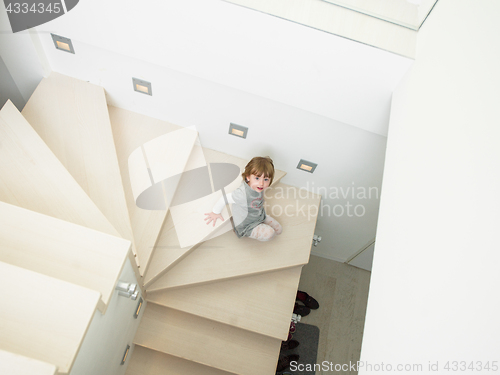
(247, 209)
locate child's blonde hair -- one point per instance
(260, 166)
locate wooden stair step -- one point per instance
(15, 364)
(167, 252)
(261, 303)
(167, 249)
(227, 256)
(44, 318)
(207, 342)
(185, 223)
(131, 132)
(62, 250)
(71, 116)
(34, 178)
(146, 361)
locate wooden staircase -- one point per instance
(69, 217)
(60, 257)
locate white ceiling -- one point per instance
(247, 50)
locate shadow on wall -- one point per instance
(9, 89)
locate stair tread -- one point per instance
(186, 222)
(191, 231)
(167, 249)
(71, 117)
(146, 361)
(48, 319)
(15, 364)
(131, 132)
(62, 250)
(227, 256)
(207, 342)
(261, 303)
(33, 177)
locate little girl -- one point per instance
(250, 219)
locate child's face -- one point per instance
(258, 183)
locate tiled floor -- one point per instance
(342, 292)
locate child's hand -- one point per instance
(213, 217)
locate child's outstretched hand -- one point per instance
(211, 216)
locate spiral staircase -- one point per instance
(69, 220)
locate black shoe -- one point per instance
(284, 362)
(301, 310)
(307, 300)
(288, 345)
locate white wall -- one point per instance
(108, 335)
(247, 50)
(434, 284)
(364, 259)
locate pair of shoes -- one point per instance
(289, 344)
(292, 327)
(307, 300)
(284, 362)
(301, 310)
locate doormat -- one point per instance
(308, 337)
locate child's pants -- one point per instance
(267, 230)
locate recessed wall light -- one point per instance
(306, 166)
(142, 86)
(138, 309)
(62, 43)
(124, 358)
(238, 130)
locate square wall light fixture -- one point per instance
(238, 130)
(142, 86)
(307, 166)
(62, 43)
